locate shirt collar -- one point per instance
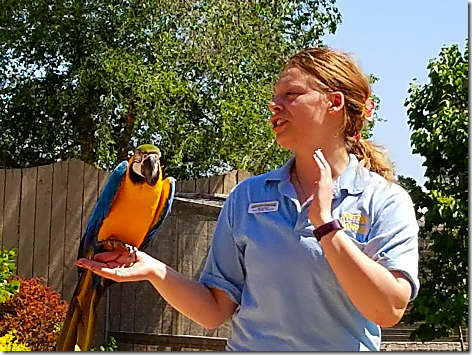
(353, 179)
(282, 173)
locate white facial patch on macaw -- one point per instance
(137, 167)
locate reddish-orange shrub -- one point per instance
(36, 313)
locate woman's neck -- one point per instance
(305, 171)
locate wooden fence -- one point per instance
(43, 212)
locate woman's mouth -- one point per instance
(278, 124)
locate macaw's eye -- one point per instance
(145, 156)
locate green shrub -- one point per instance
(35, 312)
(110, 346)
(8, 342)
(8, 287)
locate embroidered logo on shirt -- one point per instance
(355, 222)
(263, 207)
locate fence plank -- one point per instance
(185, 248)
(100, 332)
(43, 222)
(189, 256)
(188, 186)
(2, 204)
(178, 186)
(202, 186)
(229, 181)
(199, 252)
(174, 315)
(114, 307)
(163, 248)
(58, 222)
(103, 176)
(11, 230)
(27, 218)
(73, 226)
(91, 186)
(242, 175)
(145, 296)
(216, 184)
(127, 309)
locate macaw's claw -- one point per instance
(115, 245)
(132, 250)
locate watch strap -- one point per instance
(326, 228)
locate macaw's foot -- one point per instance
(116, 245)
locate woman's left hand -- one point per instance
(320, 209)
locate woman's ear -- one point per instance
(336, 99)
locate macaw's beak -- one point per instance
(150, 169)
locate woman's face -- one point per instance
(299, 110)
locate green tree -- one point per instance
(438, 117)
(92, 79)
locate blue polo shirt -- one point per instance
(265, 257)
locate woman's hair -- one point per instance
(337, 71)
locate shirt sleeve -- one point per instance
(224, 267)
(393, 240)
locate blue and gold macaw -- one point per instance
(131, 208)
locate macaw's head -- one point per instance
(145, 164)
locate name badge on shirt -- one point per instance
(263, 207)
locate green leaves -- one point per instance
(111, 345)
(438, 116)
(8, 287)
(194, 78)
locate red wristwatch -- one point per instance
(324, 229)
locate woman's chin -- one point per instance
(286, 142)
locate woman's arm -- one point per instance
(379, 294)
(207, 307)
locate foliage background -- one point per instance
(95, 79)
(438, 116)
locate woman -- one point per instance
(316, 255)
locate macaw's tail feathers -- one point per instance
(81, 319)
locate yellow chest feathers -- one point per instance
(132, 213)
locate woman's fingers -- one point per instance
(320, 210)
(323, 165)
(108, 256)
(110, 271)
(121, 258)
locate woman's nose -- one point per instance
(274, 106)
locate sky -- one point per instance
(394, 40)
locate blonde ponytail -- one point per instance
(371, 156)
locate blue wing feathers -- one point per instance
(102, 207)
(165, 212)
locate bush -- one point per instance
(36, 313)
(110, 346)
(8, 342)
(8, 287)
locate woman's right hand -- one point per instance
(121, 266)
(209, 307)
